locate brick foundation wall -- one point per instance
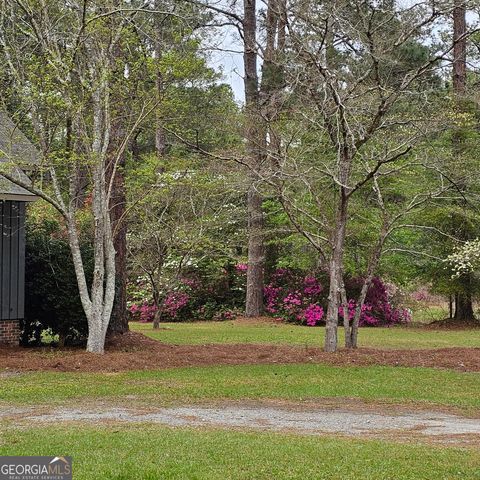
(9, 332)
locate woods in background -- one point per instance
(352, 157)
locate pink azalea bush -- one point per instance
(144, 312)
(303, 299)
(219, 294)
(294, 297)
(366, 318)
(313, 314)
(173, 305)
(312, 286)
(386, 315)
(200, 294)
(271, 294)
(380, 310)
(241, 268)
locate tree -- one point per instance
(189, 218)
(60, 72)
(353, 128)
(463, 299)
(115, 171)
(261, 111)
(255, 137)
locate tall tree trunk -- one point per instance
(102, 292)
(463, 300)
(273, 78)
(160, 140)
(119, 320)
(115, 180)
(262, 104)
(459, 49)
(352, 340)
(347, 328)
(256, 254)
(463, 307)
(158, 316)
(335, 274)
(81, 181)
(96, 335)
(255, 151)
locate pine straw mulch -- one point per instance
(452, 324)
(134, 351)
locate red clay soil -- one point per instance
(134, 351)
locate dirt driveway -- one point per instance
(402, 424)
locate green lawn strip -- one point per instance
(199, 333)
(146, 452)
(290, 382)
(428, 314)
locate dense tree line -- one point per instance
(353, 153)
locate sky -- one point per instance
(227, 57)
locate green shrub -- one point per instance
(52, 302)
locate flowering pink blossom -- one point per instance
(227, 315)
(134, 308)
(313, 314)
(292, 299)
(280, 272)
(144, 312)
(420, 295)
(365, 316)
(241, 268)
(174, 302)
(271, 298)
(311, 286)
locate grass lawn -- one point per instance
(151, 453)
(279, 333)
(430, 313)
(290, 382)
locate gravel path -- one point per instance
(306, 421)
